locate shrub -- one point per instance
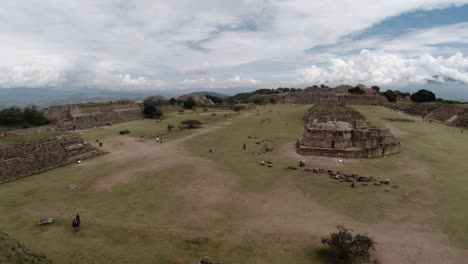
(191, 123)
(170, 127)
(189, 103)
(348, 247)
(236, 108)
(356, 90)
(214, 99)
(151, 107)
(172, 101)
(390, 95)
(423, 96)
(124, 132)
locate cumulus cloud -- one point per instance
(384, 68)
(212, 82)
(153, 40)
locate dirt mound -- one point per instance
(13, 252)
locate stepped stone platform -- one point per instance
(36, 156)
(85, 115)
(343, 134)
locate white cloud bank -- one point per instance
(213, 82)
(383, 68)
(159, 43)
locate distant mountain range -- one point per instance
(44, 97)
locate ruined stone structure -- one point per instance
(327, 96)
(37, 156)
(453, 115)
(199, 100)
(345, 136)
(449, 114)
(77, 116)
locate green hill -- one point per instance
(202, 93)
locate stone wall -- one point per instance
(76, 116)
(37, 156)
(453, 115)
(329, 96)
(29, 131)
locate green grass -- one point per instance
(148, 221)
(148, 128)
(13, 252)
(441, 151)
(286, 125)
(430, 171)
(7, 141)
(4, 128)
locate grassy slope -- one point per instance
(140, 231)
(13, 252)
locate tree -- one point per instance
(214, 99)
(189, 103)
(172, 101)
(12, 115)
(376, 88)
(33, 116)
(347, 247)
(390, 95)
(236, 108)
(356, 90)
(191, 123)
(151, 107)
(423, 96)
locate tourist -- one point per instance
(76, 223)
(157, 140)
(244, 147)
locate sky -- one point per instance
(178, 44)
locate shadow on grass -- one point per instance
(325, 256)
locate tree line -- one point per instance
(25, 117)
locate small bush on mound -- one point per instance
(124, 132)
(348, 247)
(236, 108)
(191, 123)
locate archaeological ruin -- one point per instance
(32, 157)
(339, 131)
(199, 100)
(85, 115)
(339, 95)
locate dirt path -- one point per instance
(405, 235)
(145, 155)
(285, 213)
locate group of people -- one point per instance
(266, 120)
(160, 140)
